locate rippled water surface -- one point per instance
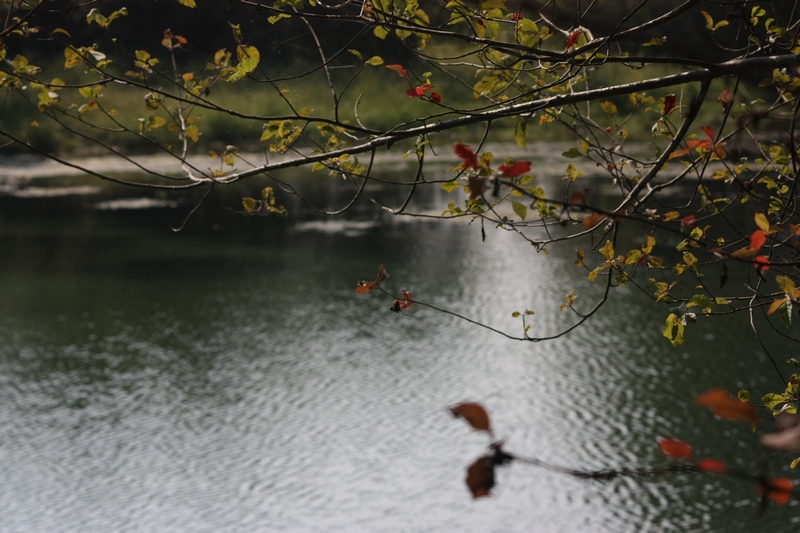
(226, 378)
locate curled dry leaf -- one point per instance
(365, 287)
(480, 476)
(724, 406)
(474, 413)
(382, 274)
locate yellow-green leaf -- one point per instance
(609, 108)
(786, 284)
(608, 251)
(762, 222)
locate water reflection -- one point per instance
(227, 378)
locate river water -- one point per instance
(227, 378)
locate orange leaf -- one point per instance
(726, 407)
(744, 252)
(774, 306)
(400, 71)
(475, 415)
(365, 287)
(762, 263)
(757, 239)
(677, 449)
(593, 220)
(480, 476)
(779, 490)
(679, 153)
(712, 465)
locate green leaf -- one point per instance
(375, 61)
(572, 153)
(380, 32)
(772, 400)
(786, 313)
(249, 57)
(700, 300)
(521, 132)
(794, 463)
(744, 395)
(520, 209)
(673, 330)
(249, 204)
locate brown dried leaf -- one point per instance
(475, 415)
(480, 476)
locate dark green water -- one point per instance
(226, 378)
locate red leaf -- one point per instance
(400, 71)
(416, 92)
(710, 133)
(517, 169)
(436, 98)
(572, 39)
(762, 263)
(712, 465)
(475, 415)
(757, 239)
(677, 449)
(465, 152)
(726, 407)
(688, 223)
(669, 104)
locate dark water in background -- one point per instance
(226, 378)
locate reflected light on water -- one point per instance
(232, 381)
